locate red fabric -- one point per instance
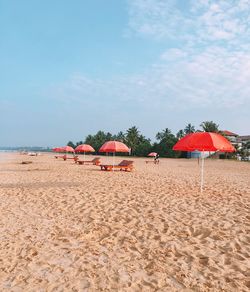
(57, 149)
(114, 146)
(152, 154)
(84, 148)
(67, 149)
(204, 141)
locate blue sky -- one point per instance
(71, 68)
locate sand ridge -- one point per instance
(66, 227)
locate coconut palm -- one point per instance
(189, 129)
(132, 138)
(180, 134)
(209, 126)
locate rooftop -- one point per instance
(228, 133)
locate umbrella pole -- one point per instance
(113, 161)
(84, 156)
(202, 171)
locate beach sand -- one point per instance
(67, 227)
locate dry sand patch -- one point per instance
(72, 227)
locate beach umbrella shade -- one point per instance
(67, 149)
(84, 148)
(57, 149)
(113, 147)
(203, 141)
(152, 154)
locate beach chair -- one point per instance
(126, 165)
(95, 161)
(64, 157)
(75, 158)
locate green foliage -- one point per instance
(209, 126)
(97, 140)
(244, 151)
(189, 129)
(71, 144)
(79, 143)
(166, 142)
(120, 137)
(180, 134)
(141, 145)
(132, 138)
(144, 146)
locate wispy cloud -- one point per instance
(207, 67)
(213, 78)
(199, 20)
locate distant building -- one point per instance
(243, 139)
(232, 137)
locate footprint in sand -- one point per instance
(202, 233)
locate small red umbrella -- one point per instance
(114, 146)
(84, 148)
(57, 149)
(152, 154)
(204, 141)
(67, 149)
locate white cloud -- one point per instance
(210, 71)
(213, 78)
(214, 20)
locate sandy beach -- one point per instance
(68, 227)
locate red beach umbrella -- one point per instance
(152, 154)
(204, 141)
(114, 146)
(57, 149)
(84, 148)
(67, 149)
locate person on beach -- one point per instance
(156, 159)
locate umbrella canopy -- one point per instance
(67, 149)
(114, 146)
(204, 141)
(84, 148)
(57, 149)
(152, 154)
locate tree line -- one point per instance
(140, 145)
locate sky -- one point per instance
(71, 68)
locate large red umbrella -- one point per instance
(204, 141)
(84, 148)
(114, 146)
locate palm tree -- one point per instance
(166, 142)
(189, 129)
(132, 137)
(180, 134)
(163, 135)
(71, 144)
(120, 137)
(209, 126)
